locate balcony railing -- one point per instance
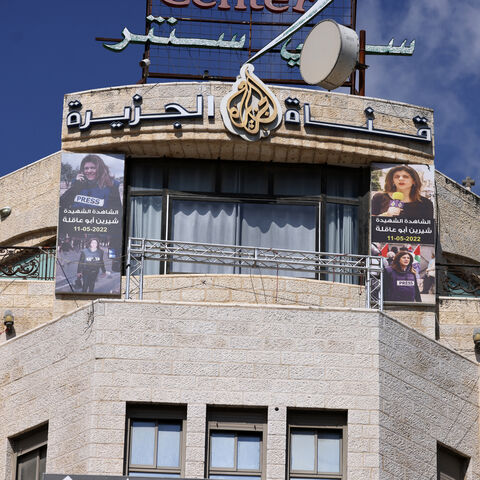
(35, 263)
(38, 263)
(346, 268)
(457, 280)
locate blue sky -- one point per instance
(49, 48)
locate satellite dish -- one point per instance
(329, 55)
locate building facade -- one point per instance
(212, 364)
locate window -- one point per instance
(30, 454)
(293, 207)
(315, 445)
(253, 224)
(236, 443)
(450, 465)
(155, 441)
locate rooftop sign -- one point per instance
(212, 39)
(239, 116)
(240, 5)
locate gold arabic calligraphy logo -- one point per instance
(251, 110)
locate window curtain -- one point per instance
(342, 234)
(204, 222)
(146, 222)
(260, 225)
(290, 227)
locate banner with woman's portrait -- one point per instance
(402, 221)
(90, 224)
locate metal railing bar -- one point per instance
(342, 266)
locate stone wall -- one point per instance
(34, 302)
(421, 319)
(194, 355)
(47, 377)
(31, 302)
(428, 394)
(458, 317)
(402, 390)
(254, 289)
(32, 193)
(457, 216)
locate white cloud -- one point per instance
(444, 72)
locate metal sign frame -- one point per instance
(147, 71)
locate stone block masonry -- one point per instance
(402, 391)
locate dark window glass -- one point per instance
(244, 179)
(145, 176)
(192, 177)
(31, 453)
(344, 182)
(297, 181)
(450, 465)
(246, 204)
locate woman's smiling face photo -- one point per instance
(90, 171)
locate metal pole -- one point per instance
(146, 53)
(129, 259)
(361, 61)
(353, 14)
(142, 264)
(368, 284)
(380, 291)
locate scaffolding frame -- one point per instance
(366, 269)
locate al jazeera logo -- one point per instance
(250, 110)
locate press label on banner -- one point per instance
(89, 200)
